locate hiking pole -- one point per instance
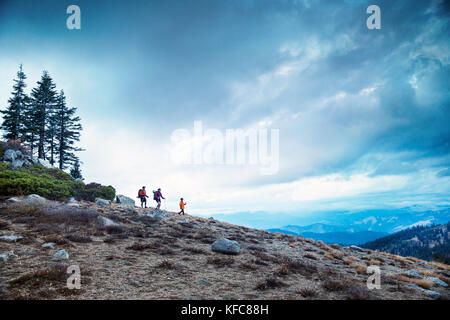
(165, 208)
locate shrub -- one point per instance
(166, 264)
(78, 238)
(52, 183)
(220, 261)
(115, 229)
(270, 282)
(307, 292)
(334, 285)
(95, 190)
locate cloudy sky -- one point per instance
(362, 115)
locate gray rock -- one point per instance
(226, 246)
(430, 293)
(27, 163)
(124, 201)
(49, 245)
(12, 255)
(45, 163)
(35, 199)
(19, 154)
(102, 202)
(186, 224)
(14, 200)
(61, 255)
(412, 272)
(16, 164)
(73, 203)
(3, 257)
(105, 222)
(9, 155)
(158, 215)
(11, 238)
(356, 248)
(438, 281)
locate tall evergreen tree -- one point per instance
(68, 128)
(13, 116)
(75, 172)
(30, 126)
(43, 101)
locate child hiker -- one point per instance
(182, 204)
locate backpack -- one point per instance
(154, 195)
(140, 193)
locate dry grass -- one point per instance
(373, 262)
(359, 268)
(78, 238)
(426, 284)
(309, 240)
(308, 292)
(248, 266)
(166, 264)
(310, 256)
(440, 265)
(220, 261)
(349, 260)
(269, 283)
(329, 256)
(334, 285)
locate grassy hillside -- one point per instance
(171, 258)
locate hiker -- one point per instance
(142, 194)
(157, 195)
(182, 204)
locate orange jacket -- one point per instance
(182, 204)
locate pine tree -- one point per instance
(30, 126)
(43, 101)
(75, 172)
(13, 116)
(68, 130)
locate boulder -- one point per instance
(45, 163)
(9, 155)
(35, 199)
(16, 164)
(226, 246)
(3, 257)
(430, 293)
(124, 201)
(105, 222)
(61, 255)
(438, 281)
(73, 203)
(49, 245)
(158, 215)
(11, 238)
(14, 200)
(19, 154)
(102, 202)
(356, 248)
(412, 272)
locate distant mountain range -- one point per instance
(360, 227)
(423, 242)
(340, 237)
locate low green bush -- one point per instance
(51, 183)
